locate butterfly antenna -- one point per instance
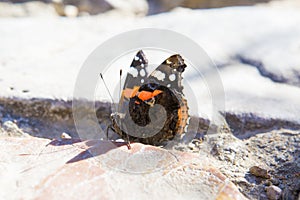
(120, 89)
(107, 90)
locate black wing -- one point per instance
(138, 71)
(169, 73)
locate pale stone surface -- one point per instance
(12, 129)
(258, 101)
(52, 170)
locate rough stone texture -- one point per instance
(276, 150)
(157, 6)
(90, 6)
(136, 7)
(12, 129)
(40, 169)
(51, 164)
(273, 192)
(73, 8)
(32, 9)
(259, 172)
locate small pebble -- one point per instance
(65, 136)
(273, 192)
(12, 129)
(275, 181)
(71, 11)
(268, 183)
(281, 158)
(259, 172)
(281, 148)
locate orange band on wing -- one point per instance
(145, 95)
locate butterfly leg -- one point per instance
(128, 142)
(112, 128)
(107, 130)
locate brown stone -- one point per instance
(273, 192)
(259, 172)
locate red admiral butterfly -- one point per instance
(136, 119)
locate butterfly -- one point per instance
(152, 107)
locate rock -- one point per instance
(194, 4)
(65, 136)
(53, 169)
(287, 193)
(71, 8)
(275, 181)
(251, 98)
(28, 9)
(70, 11)
(269, 65)
(135, 7)
(158, 6)
(259, 172)
(274, 192)
(12, 129)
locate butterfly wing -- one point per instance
(169, 73)
(138, 71)
(135, 77)
(167, 81)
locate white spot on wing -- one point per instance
(159, 75)
(169, 85)
(172, 77)
(136, 58)
(188, 120)
(142, 72)
(169, 62)
(133, 72)
(142, 81)
(186, 129)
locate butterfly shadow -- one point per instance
(88, 148)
